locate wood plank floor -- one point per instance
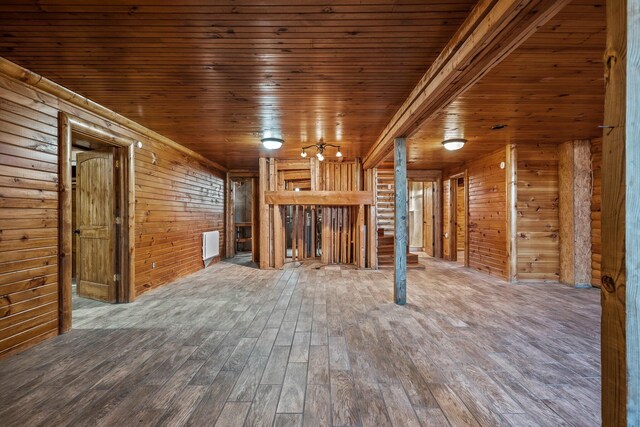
(233, 346)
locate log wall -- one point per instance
(178, 197)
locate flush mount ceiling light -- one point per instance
(272, 143)
(454, 144)
(320, 147)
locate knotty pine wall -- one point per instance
(538, 214)
(177, 198)
(487, 213)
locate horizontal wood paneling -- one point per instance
(177, 198)
(487, 214)
(538, 213)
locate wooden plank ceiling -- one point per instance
(550, 90)
(214, 75)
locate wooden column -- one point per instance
(614, 379)
(65, 242)
(400, 220)
(278, 237)
(264, 213)
(512, 216)
(574, 175)
(633, 215)
(437, 208)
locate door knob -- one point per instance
(77, 231)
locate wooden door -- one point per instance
(96, 225)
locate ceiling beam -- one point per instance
(493, 30)
(319, 198)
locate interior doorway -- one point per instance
(458, 219)
(96, 217)
(97, 207)
(422, 217)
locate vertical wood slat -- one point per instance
(400, 246)
(614, 381)
(633, 214)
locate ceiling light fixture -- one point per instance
(454, 144)
(320, 147)
(272, 143)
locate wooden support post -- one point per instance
(437, 208)
(614, 379)
(361, 238)
(65, 243)
(512, 212)
(255, 221)
(264, 213)
(574, 176)
(278, 237)
(400, 220)
(633, 215)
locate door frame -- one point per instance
(67, 125)
(453, 209)
(434, 177)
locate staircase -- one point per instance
(385, 210)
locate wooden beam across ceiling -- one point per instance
(319, 198)
(493, 30)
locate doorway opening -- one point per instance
(458, 219)
(96, 216)
(423, 218)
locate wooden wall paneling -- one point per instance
(487, 214)
(178, 196)
(596, 203)
(538, 217)
(614, 378)
(633, 215)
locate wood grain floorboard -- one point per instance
(308, 345)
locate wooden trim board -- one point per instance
(319, 198)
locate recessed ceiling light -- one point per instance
(454, 144)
